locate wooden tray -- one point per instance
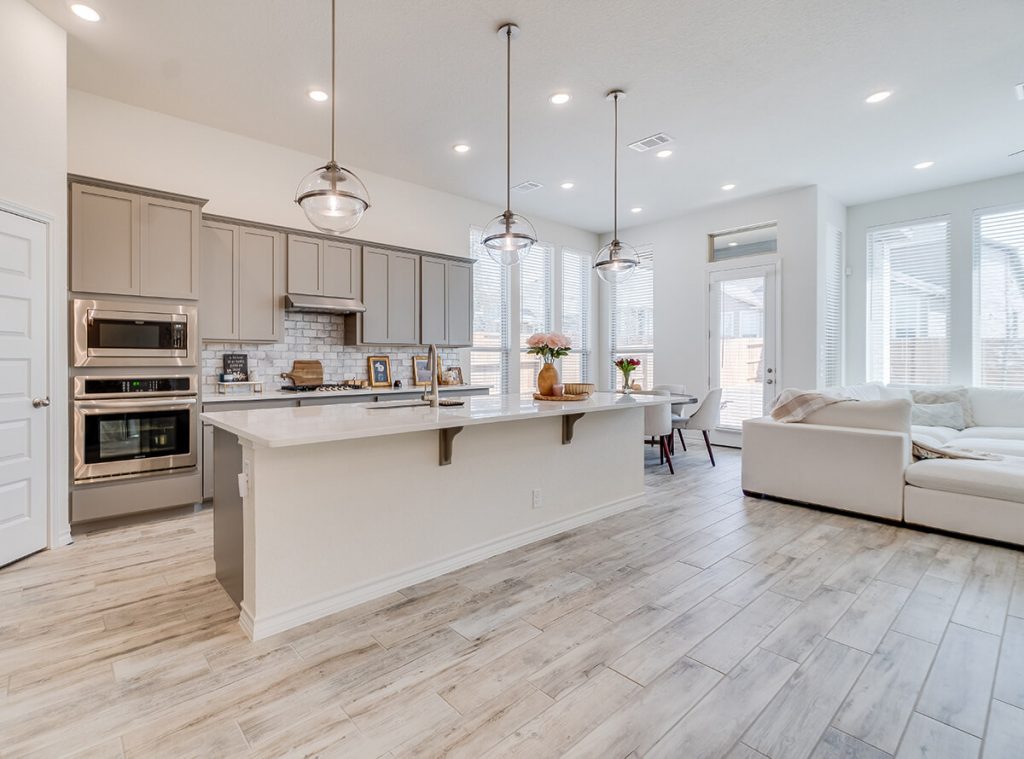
(539, 397)
(305, 372)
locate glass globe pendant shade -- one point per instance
(616, 262)
(508, 238)
(333, 198)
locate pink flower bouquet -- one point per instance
(548, 345)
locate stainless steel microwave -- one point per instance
(134, 333)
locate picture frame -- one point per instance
(379, 370)
(421, 370)
(453, 376)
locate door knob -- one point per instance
(40, 402)
(769, 382)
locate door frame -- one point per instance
(771, 260)
(58, 530)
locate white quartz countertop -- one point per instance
(282, 427)
(292, 395)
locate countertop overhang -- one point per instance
(306, 425)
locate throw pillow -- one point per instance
(930, 396)
(938, 415)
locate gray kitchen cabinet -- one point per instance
(317, 266)
(460, 304)
(242, 283)
(391, 294)
(169, 249)
(104, 240)
(446, 302)
(373, 323)
(129, 243)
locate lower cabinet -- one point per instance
(242, 283)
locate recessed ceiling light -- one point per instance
(461, 148)
(635, 209)
(878, 97)
(733, 244)
(318, 95)
(663, 153)
(560, 98)
(567, 185)
(924, 165)
(85, 13)
(728, 187)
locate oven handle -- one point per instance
(98, 407)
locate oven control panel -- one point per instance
(109, 387)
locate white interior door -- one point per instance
(23, 381)
(743, 344)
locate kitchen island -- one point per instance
(320, 508)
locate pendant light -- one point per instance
(333, 198)
(617, 260)
(508, 237)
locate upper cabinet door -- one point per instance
(304, 265)
(433, 301)
(104, 240)
(260, 285)
(375, 296)
(460, 304)
(403, 298)
(218, 308)
(169, 260)
(341, 270)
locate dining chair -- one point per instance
(658, 428)
(705, 419)
(677, 408)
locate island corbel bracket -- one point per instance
(568, 423)
(445, 438)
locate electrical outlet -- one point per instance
(537, 502)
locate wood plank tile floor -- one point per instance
(700, 624)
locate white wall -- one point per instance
(959, 202)
(680, 291)
(254, 180)
(33, 168)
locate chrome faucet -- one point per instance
(434, 396)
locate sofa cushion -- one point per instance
(942, 434)
(1003, 447)
(893, 392)
(987, 479)
(997, 406)
(871, 391)
(871, 415)
(938, 415)
(1002, 433)
(943, 394)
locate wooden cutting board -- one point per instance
(307, 372)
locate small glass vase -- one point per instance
(627, 386)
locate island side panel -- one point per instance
(227, 513)
(336, 524)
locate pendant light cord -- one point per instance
(334, 88)
(615, 173)
(508, 118)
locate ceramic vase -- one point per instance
(547, 379)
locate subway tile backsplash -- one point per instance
(320, 336)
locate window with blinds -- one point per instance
(632, 321)
(832, 369)
(909, 303)
(535, 311)
(489, 356)
(576, 308)
(999, 298)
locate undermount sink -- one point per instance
(395, 404)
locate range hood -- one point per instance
(323, 305)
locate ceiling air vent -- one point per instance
(527, 186)
(654, 141)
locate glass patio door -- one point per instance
(742, 344)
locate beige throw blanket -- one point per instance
(922, 450)
(796, 405)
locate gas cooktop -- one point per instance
(327, 387)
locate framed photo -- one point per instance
(453, 376)
(379, 369)
(421, 370)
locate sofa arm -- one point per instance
(858, 470)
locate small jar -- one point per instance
(558, 389)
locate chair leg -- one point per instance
(666, 454)
(681, 438)
(707, 442)
(661, 450)
(672, 443)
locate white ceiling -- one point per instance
(767, 94)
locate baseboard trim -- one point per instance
(257, 629)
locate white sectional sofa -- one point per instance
(856, 456)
